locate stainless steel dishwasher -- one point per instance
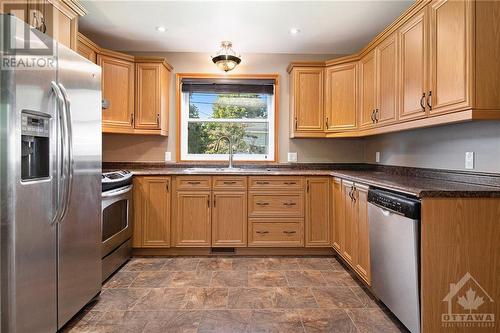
(394, 221)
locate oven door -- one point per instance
(116, 218)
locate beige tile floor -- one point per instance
(234, 294)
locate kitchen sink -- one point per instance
(213, 170)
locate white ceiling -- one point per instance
(327, 27)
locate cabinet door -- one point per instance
(86, 52)
(307, 97)
(154, 212)
(148, 79)
(450, 54)
(362, 259)
(341, 97)
(117, 84)
(191, 220)
(350, 217)
(387, 80)
(367, 69)
(337, 215)
(229, 219)
(413, 67)
(317, 213)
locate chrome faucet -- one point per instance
(230, 149)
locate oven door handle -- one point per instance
(117, 192)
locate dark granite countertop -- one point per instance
(413, 181)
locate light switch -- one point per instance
(469, 160)
(377, 157)
(168, 156)
(292, 157)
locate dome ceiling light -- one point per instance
(226, 59)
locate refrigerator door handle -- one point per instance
(68, 160)
(61, 106)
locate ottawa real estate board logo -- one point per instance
(468, 305)
(23, 42)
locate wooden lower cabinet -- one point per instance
(350, 225)
(362, 252)
(191, 222)
(275, 232)
(337, 211)
(151, 212)
(348, 247)
(229, 219)
(317, 216)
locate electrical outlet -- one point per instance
(377, 157)
(469, 160)
(168, 156)
(292, 157)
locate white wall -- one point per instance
(440, 147)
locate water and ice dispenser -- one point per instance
(35, 146)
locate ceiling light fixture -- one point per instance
(294, 31)
(161, 29)
(226, 59)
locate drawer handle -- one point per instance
(262, 183)
(261, 203)
(290, 183)
(229, 182)
(288, 204)
(194, 183)
(286, 232)
(262, 232)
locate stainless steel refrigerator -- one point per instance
(50, 180)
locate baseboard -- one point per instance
(244, 251)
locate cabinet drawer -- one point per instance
(275, 232)
(228, 183)
(193, 183)
(275, 204)
(279, 182)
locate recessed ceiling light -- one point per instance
(294, 31)
(161, 29)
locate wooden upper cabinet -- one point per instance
(387, 81)
(117, 84)
(229, 219)
(317, 214)
(367, 89)
(152, 212)
(450, 55)
(341, 97)
(58, 19)
(307, 100)
(362, 252)
(191, 223)
(152, 94)
(413, 67)
(337, 205)
(86, 48)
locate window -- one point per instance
(243, 110)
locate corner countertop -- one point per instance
(417, 182)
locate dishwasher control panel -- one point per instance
(397, 203)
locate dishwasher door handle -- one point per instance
(385, 212)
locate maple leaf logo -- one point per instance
(470, 301)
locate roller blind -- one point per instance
(255, 86)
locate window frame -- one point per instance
(182, 122)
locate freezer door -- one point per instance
(28, 236)
(79, 234)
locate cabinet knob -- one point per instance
(289, 232)
(375, 116)
(262, 203)
(262, 183)
(262, 232)
(193, 183)
(288, 204)
(429, 100)
(422, 102)
(229, 182)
